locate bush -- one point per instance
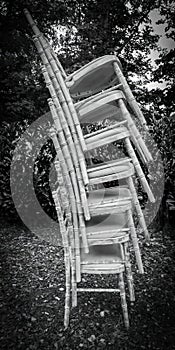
(24, 165)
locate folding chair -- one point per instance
(111, 242)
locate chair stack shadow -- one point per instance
(96, 219)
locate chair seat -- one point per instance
(109, 200)
(112, 167)
(101, 106)
(106, 136)
(95, 76)
(108, 195)
(105, 254)
(109, 110)
(120, 162)
(106, 223)
(107, 229)
(108, 220)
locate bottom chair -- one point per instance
(106, 260)
(107, 255)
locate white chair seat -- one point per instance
(102, 255)
(106, 223)
(108, 195)
(95, 76)
(110, 168)
(106, 136)
(100, 106)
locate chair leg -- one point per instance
(123, 300)
(138, 208)
(129, 95)
(67, 293)
(74, 294)
(135, 242)
(139, 170)
(129, 273)
(73, 278)
(74, 288)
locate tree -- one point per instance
(23, 94)
(93, 28)
(89, 29)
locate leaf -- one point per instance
(92, 338)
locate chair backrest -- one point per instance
(74, 202)
(64, 126)
(38, 33)
(68, 148)
(52, 74)
(65, 98)
(129, 95)
(70, 132)
(56, 71)
(63, 214)
(95, 76)
(66, 123)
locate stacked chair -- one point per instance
(96, 222)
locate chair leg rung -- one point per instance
(109, 290)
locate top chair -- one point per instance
(100, 74)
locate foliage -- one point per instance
(23, 94)
(88, 29)
(8, 137)
(31, 164)
(92, 28)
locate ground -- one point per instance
(32, 302)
